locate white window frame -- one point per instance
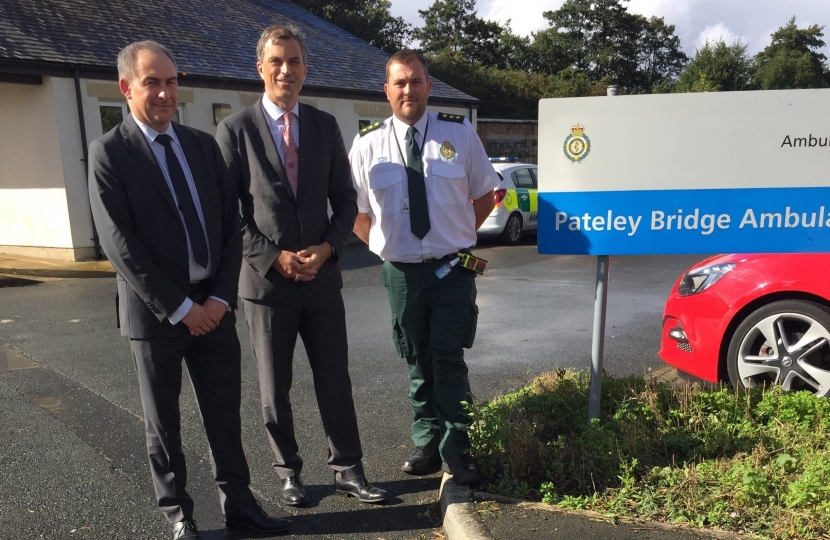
(121, 104)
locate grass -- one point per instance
(750, 462)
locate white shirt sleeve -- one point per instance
(358, 178)
(183, 310)
(482, 175)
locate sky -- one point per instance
(695, 20)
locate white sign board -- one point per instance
(685, 173)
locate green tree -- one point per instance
(549, 52)
(454, 27)
(370, 20)
(503, 93)
(599, 37)
(604, 40)
(659, 57)
(717, 67)
(792, 59)
(506, 93)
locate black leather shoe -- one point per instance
(360, 488)
(464, 470)
(293, 491)
(254, 518)
(423, 461)
(186, 530)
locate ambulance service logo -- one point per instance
(577, 145)
(447, 151)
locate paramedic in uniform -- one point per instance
(424, 186)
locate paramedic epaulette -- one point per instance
(458, 118)
(371, 128)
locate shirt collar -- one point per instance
(150, 134)
(402, 127)
(275, 111)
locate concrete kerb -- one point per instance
(460, 519)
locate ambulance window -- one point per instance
(535, 178)
(522, 179)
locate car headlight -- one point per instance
(701, 279)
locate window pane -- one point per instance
(177, 117)
(522, 179)
(535, 176)
(111, 116)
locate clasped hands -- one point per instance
(304, 264)
(204, 318)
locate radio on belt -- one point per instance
(470, 262)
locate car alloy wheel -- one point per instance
(785, 342)
(512, 233)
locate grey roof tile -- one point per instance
(210, 38)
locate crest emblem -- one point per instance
(447, 151)
(577, 145)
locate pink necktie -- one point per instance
(290, 153)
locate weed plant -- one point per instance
(751, 462)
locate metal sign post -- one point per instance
(598, 338)
(600, 310)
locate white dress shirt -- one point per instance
(276, 124)
(197, 273)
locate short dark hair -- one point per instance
(128, 57)
(286, 31)
(406, 57)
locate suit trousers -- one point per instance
(319, 318)
(214, 365)
(433, 320)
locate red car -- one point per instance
(752, 319)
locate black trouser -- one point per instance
(320, 320)
(214, 363)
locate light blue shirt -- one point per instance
(197, 273)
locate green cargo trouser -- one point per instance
(432, 321)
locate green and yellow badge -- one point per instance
(577, 144)
(447, 151)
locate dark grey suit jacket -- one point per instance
(142, 233)
(274, 219)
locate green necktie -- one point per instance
(418, 210)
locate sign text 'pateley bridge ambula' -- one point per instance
(685, 173)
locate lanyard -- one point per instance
(423, 144)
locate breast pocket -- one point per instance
(449, 180)
(387, 186)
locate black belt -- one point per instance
(200, 285)
(446, 258)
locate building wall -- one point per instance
(510, 138)
(34, 160)
(44, 205)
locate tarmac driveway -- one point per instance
(73, 445)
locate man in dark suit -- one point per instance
(288, 160)
(167, 217)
